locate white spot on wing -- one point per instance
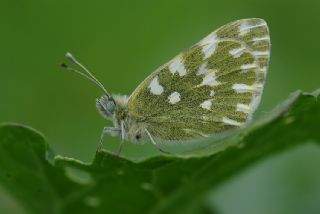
(177, 66)
(243, 88)
(208, 50)
(243, 108)
(211, 38)
(228, 121)
(203, 69)
(259, 39)
(260, 53)
(246, 67)
(174, 98)
(209, 79)
(237, 52)
(155, 87)
(209, 45)
(206, 104)
(211, 93)
(245, 27)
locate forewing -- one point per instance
(214, 86)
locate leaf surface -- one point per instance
(43, 182)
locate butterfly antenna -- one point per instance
(87, 73)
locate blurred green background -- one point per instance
(122, 42)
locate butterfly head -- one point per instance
(106, 106)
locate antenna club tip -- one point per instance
(68, 54)
(70, 57)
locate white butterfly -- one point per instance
(214, 86)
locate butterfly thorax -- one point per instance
(115, 109)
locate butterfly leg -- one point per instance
(122, 139)
(105, 131)
(154, 143)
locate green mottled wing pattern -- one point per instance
(214, 86)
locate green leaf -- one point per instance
(47, 183)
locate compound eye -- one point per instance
(110, 106)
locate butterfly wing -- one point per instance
(214, 86)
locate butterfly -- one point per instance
(214, 86)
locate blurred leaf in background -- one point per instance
(122, 42)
